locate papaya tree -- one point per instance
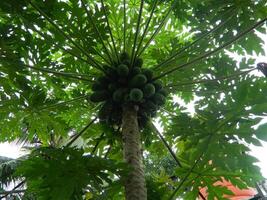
(95, 90)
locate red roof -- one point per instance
(239, 194)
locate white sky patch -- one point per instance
(190, 107)
(11, 150)
(260, 153)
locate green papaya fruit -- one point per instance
(136, 95)
(148, 73)
(158, 84)
(118, 95)
(163, 92)
(123, 70)
(149, 90)
(149, 106)
(138, 80)
(135, 71)
(159, 99)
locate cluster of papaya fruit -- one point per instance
(123, 83)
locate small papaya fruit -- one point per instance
(159, 99)
(136, 95)
(157, 84)
(149, 106)
(135, 71)
(149, 90)
(163, 92)
(118, 95)
(148, 73)
(138, 80)
(123, 70)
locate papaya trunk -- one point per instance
(135, 188)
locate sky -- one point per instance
(14, 150)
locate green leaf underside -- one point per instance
(52, 53)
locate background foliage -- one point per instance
(52, 51)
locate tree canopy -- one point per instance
(52, 52)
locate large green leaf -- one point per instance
(261, 132)
(64, 173)
(52, 52)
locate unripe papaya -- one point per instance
(149, 106)
(163, 92)
(123, 70)
(159, 99)
(157, 84)
(149, 90)
(99, 96)
(148, 73)
(118, 95)
(138, 62)
(138, 80)
(136, 95)
(135, 71)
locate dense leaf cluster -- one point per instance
(65, 173)
(52, 52)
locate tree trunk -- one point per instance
(135, 187)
